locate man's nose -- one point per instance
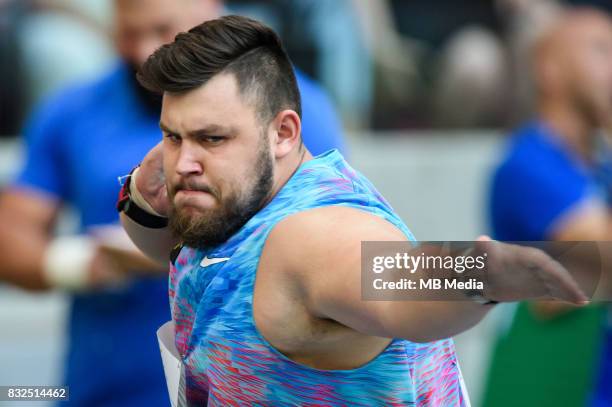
(188, 162)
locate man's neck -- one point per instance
(570, 125)
(287, 169)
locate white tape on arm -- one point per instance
(67, 262)
(137, 197)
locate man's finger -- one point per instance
(561, 283)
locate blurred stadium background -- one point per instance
(426, 91)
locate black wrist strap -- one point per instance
(142, 217)
(133, 211)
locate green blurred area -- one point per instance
(546, 362)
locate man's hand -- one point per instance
(104, 272)
(516, 273)
(105, 257)
(117, 258)
(151, 182)
(110, 267)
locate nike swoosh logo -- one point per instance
(209, 262)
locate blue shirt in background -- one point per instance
(78, 143)
(540, 180)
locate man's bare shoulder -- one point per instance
(328, 234)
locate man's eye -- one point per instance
(214, 139)
(174, 138)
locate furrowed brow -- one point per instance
(212, 130)
(166, 129)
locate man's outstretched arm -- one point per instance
(324, 256)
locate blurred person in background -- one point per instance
(554, 183)
(78, 143)
(524, 21)
(37, 37)
(428, 56)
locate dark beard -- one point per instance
(218, 225)
(151, 102)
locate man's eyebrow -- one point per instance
(212, 129)
(165, 128)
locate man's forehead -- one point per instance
(582, 24)
(218, 92)
(213, 102)
(569, 32)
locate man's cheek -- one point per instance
(168, 167)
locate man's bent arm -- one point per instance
(155, 243)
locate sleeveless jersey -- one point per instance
(229, 363)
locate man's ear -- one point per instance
(287, 128)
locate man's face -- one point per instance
(217, 161)
(589, 68)
(142, 26)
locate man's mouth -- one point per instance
(193, 188)
(200, 198)
(194, 192)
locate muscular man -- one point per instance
(265, 283)
(555, 183)
(78, 143)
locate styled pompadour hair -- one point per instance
(232, 44)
